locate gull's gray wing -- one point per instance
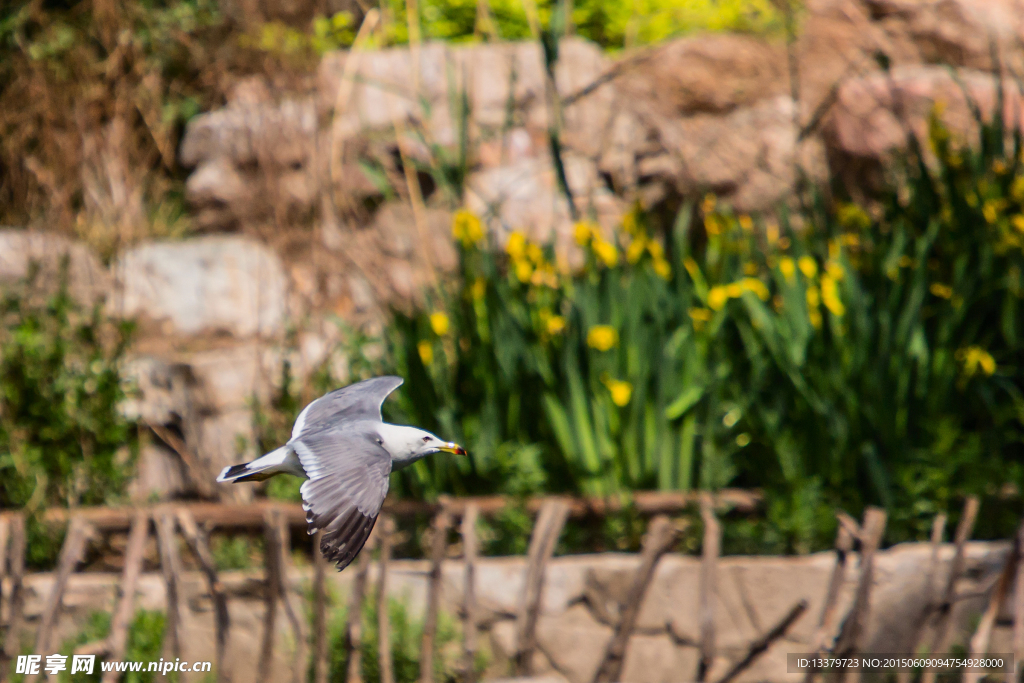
(348, 472)
(360, 401)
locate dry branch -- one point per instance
(438, 545)
(16, 603)
(660, 538)
(469, 549)
(546, 531)
(387, 671)
(761, 645)
(319, 612)
(133, 556)
(979, 641)
(170, 565)
(710, 549)
(200, 546)
(271, 587)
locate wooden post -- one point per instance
(16, 603)
(438, 544)
(546, 531)
(469, 549)
(319, 611)
(71, 554)
(200, 546)
(940, 639)
(979, 641)
(661, 536)
(387, 671)
(761, 645)
(1018, 615)
(710, 550)
(271, 588)
(125, 610)
(283, 543)
(170, 565)
(931, 600)
(849, 640)
(844, 545)
(354, 627)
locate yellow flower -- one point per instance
(524, 269)
(940, 290)
(583, 232)
(656, 250)
(808, 266)
(701, 314)
(835, 270)
(602, 337)
(746, 222)
(426, 351)
(772, 232)
(606, 251)
(813, 297)
(975, 358)
(439, 323)
(1018, 222)
(479, 288)
(709, 203)
(752, 284)
(635, 250)
(750, 268)
(830, 296)
(662, 269)
(467, 228)
(555, 325)
(717, 297)
(621, 391)
(787, 268)
(516, 245)
(535, 253)
(734, 290)
(990, 211)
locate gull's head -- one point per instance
(408, 444)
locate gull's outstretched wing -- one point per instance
(348, 478)
(360, 401)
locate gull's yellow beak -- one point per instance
(451, 447)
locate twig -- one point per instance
(438, 544)
(197, 541)
(469, 549)
(979, 641)
(940, 639)
(387, 670)
(938, 529)
(759, 646)
(319, 612)
(70, 555)
(546, 531)
(708, 569)
(271, 588)
(354, 627)
(170, 565)
(849, 640)
(133, 556)
(16, 606)
(660, 538)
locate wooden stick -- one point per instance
(387, 670)
(70, 555)
(319, 611)
(251, 515)
(761, 645)
(1018, 615)
(271, 587)
(940, 639)
(16, 606)
(354, 627)
(546, 531)
(661, 536)
(439, 543)
(849, 640)
(844, 544)
(125, 610)
(298, 632)
(469, 549)
(200, 546)
(710, 550)
(979, 641)
(938, 529)
(197, 473)
(170, 565)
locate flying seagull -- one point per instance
(344, 449)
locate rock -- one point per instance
(217, 284)
(21, 250)
(574, 642)
(656, 659)
(221, 440)
(160, 474)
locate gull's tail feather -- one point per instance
(275, 462)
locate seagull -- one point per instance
(346, 452)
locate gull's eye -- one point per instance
(426, 439)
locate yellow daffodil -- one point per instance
(975, 358)
(635, 250)
(555, 325)
(655, 249)
(620, 391)
(1018, 222)
(830, 296)
(746, 222)
(439, 323)
(717, 297)
(583, 232)
(734, 290)
(602, 337)
(808, 266)
(787, 268)
(662, 269)
(534, 252)
(426, 351)
(467, 228)
(606, 251)
(516, 245)
(524, 269)
(940, 290)
(752, 284)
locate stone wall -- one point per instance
(753, 593)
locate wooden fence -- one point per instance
(195, 521)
